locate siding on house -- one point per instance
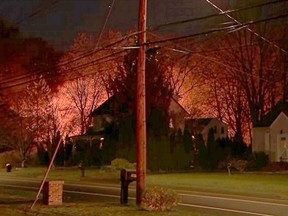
(278, 127)
(99, 122)
(259, 138)
(203, 125)
(267, 139)
(106, 112)
(177, 114)
(217, 126)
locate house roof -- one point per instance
(177, 102)
(200, 121)
(104, 108)
(115, 103)
(270, 117)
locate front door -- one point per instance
(282, 147)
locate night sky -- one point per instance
(58, 21)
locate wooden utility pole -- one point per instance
(141, 104)
(46, 173)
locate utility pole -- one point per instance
(141, 104)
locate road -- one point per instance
(228, 204)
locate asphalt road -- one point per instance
(228, 204)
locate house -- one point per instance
(271, 134)
(105, 114)
(177, 114)
(203, 125)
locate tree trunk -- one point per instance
(23, 163)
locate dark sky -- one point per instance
(58, 23)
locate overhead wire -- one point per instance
(37, 12)
(70, 104)
(87, 64)
(178, 38)
(249, 29)
(79, 57)
(194, 19)
(157, 27)
(105, 23)
(86, 54)
(79, 66)
(91, 52)
(186, 51)
(234, 27)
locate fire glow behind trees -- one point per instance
(235, 76)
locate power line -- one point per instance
(154, 28)
(234, 27)
(167, 40)
(91, 63)
(38, 11)
(91, 52)
(68, 79)
(190, 20)
(77, 58)
(189, 52)
(249, 29)
(105, 23)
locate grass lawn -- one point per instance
(16, 202)
(265, 185)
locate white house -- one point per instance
(106, 112)
(203, 125)
(177, 114)
(271, 134)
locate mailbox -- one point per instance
(126, 176)
(8, 167)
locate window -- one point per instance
(171, 123)
(283, 142)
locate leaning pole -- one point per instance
(141, 104)
(46, 173)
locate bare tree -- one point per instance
(228, 101)
(254, 64)
(85, 94)
(244, 79)
(60, 123)
(13, 131)
(87, 85)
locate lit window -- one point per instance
(171, 123)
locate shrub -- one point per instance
(159, 199)
(232, 163)
(238, 164)
(118, 164)
(261, 160)
(107, 168)
(121, 163)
